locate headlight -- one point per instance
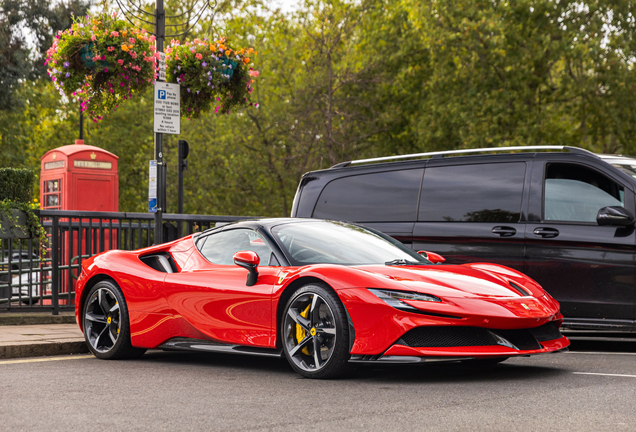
(394, 298)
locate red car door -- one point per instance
(214, 297)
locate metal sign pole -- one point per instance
(160, 26)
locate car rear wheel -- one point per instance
(315, 333)
(106, 324)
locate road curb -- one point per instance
(43, 349)
(36, 319)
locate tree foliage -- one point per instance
(347, 79)
(27, 28)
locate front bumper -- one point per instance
(400, 354)
(380, 329)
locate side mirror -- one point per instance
(614, 216)
(432, 257)
(248, 260)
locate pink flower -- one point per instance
(93, 38)
(199, 56)
(120, 61)
(133, 55)
(110, 48)
(114, 33)
(253, 73)
(131, 40)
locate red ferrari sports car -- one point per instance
(323, 294)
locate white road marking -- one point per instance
(604, 374)
(45, 359)
(601, 353)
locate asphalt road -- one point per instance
(590, 389)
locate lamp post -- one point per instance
(160, 31)
(81, 121)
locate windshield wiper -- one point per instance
(402, 261)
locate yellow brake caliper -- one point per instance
(300, 332)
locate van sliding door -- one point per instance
(473, 212)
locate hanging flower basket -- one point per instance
(101, 61)
(211, 75)
(86, 56)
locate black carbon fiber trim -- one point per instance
(521, 339)
(457, 336)
(547, 332)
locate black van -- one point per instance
(562, 215)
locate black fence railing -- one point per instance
(42, 277)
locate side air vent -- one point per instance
(162, 262)
(520, 290)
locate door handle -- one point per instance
(546, 232)
(504, 231)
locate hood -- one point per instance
(464, 281)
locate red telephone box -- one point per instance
(79, 177)
(82, 178)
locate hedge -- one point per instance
(16, 184)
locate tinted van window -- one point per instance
(389, 196)
(473, 193)
(575, 193)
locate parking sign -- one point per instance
(167, 115)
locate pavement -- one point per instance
(42, 335)
(171, 391)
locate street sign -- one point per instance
(152, 187)
(167, 108)
(162, 66)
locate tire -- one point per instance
(106, 323)
(30, 302)
(315, 333)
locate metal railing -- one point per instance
(37, 276)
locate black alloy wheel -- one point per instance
(315, 333)
(106, 324)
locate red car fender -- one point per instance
(143, 290)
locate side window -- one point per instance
(220, 248)
(473, 193)
(576, 193)
(389, 196)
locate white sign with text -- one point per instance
(167, 108)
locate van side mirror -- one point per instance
(432, 257)
(248, 260)
(614, 216)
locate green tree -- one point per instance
(22, 21)
(527, 72)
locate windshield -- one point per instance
(327, 242)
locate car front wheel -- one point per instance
(106, 323)
(315, 333)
